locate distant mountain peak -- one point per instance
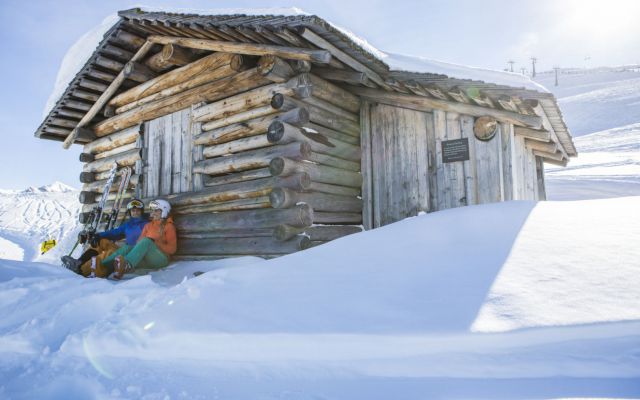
(56, 187)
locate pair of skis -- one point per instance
(124, 184)
(97, 214)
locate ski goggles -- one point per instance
(135, 204)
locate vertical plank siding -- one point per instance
(506, 139)
(366, 165)
(399, 148)
(408, 174)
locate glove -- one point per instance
(82, 237)
(94, 240)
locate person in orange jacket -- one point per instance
(155, 246)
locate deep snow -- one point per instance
(452, 304)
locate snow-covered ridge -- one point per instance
(56, 187)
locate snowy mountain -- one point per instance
(30, 216)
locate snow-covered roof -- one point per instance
(81, 51)
(400, 62)
(387, 65)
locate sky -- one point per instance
(35, 35)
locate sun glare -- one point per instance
(598, 19)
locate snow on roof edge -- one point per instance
(284, 11)
(80, 52)
(401, 62)
(75, 58)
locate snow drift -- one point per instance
(509, 300)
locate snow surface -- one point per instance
(33, 215)
(596, 99)
(81, 51)
(413, 310)
(608, 162)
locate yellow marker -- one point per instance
(47, 245)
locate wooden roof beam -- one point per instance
(341, 75)
(292, 53)
(549, 147)
(533, 134)
(557, 157)
(105, 96)
(315, 39)
(546, 124)
(425, 104)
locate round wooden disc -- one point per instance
(485, 128)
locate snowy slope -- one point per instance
(417, 309)
(608, 165)
(596, 99)
(30, 216)
(602, 108)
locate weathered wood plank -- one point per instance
(172, 78)
(286, 198)
(366, 164)
(251, 159)
(166, 158)
(212, 91)
(508, 178)
(293, 53)
(282, 166)
(112, 141)
(104, 97)
(301, 216)
(243, 246)
(427, 104)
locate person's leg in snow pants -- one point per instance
(145, 254)
(108, 262)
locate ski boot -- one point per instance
(121, 267)
(71, 264)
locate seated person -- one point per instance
(155, 245)
(102, 244)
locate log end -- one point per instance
(276, 166)
(87, 197)
(266, 64)
(84, 218)
(275, 132)
(279, 198)
(277, 101)
(86, 157)
(239, 63)
(305, 243)
(305, 214)
(87, 177)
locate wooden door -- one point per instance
(168, 159)
(399, 163)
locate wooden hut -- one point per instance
(270, 134)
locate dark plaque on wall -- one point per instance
(455, 150)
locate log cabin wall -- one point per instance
(257, 158)
(404, 172)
